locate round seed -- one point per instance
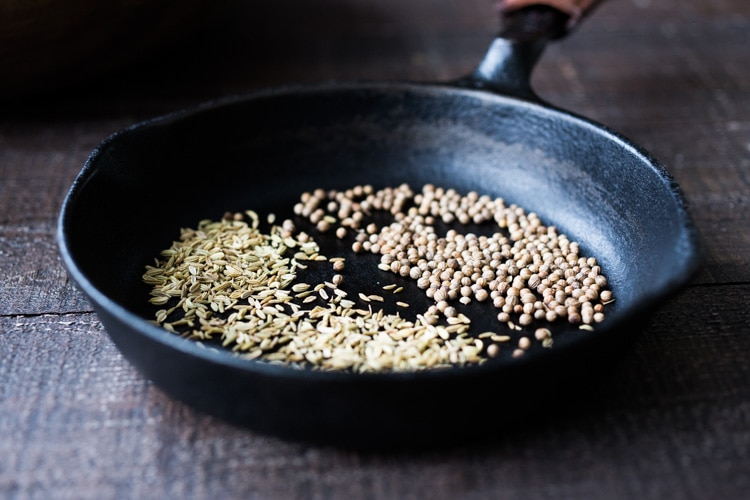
(542, 333)
(493, 350)
(524, 343)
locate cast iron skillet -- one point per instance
(488, 132)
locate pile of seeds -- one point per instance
(230, 281)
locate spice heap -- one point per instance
(229, 280)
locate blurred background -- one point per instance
(53, 45)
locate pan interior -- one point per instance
(263, 151)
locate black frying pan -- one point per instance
(488, 132)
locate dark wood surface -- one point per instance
(671, 419)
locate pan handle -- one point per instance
(527, 27)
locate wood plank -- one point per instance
(672, 392)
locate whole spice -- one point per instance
(531, 273)
(228, 281)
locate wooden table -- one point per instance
(671, 419)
